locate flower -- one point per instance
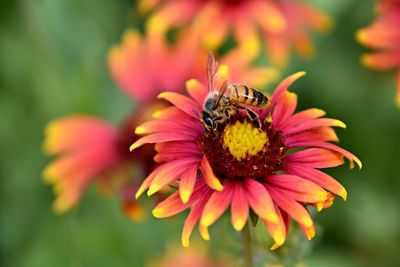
(196, 256)
(91, 150)
(272, 170)
(145, 66)
(142, 66)
(384, 36)
(283, 24)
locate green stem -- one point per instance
(247, 246)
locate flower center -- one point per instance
(239, 150)
(243, 140)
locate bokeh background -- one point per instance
(53, 63)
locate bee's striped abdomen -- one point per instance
(242, 94)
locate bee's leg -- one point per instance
(219, 120)
(252, 116)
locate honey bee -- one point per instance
(221, 104)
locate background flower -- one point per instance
(283, 25)
(383, 35)
(196, 256)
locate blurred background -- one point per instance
(53, 63)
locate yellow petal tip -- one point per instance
(320, 206)
(272, 217)
(134, 146)
(223, 71)
(164, 95)
(185, 196)
(156, 24)
(343, 194)
(340, 124)
(191, 83)
(157, 212)
(204, 232)
(307, 221)
(185, 243)
(310, 234)
(218, 186)
(366, 60)
(361, 36)
(152, 190)
(274, 246)
(206, 220)
(300, 74)
(157, 114)
(238, 225)
(140, 130)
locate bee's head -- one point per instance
(209, 104)
(208, 122)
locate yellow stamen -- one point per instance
(243, 139)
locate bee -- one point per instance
(220, 105)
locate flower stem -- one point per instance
(247, 246)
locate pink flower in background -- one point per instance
(272, 170)
(91, 150)
(282, 25)
(383, 35)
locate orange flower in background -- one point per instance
(383, 35)
(89, 149)
(195, 256)
(280, 24)
(146, 66)
(271, 168)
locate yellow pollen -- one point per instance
(243, 139)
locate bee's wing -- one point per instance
(221, 92)
(212, 68)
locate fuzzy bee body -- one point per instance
(219, 106)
